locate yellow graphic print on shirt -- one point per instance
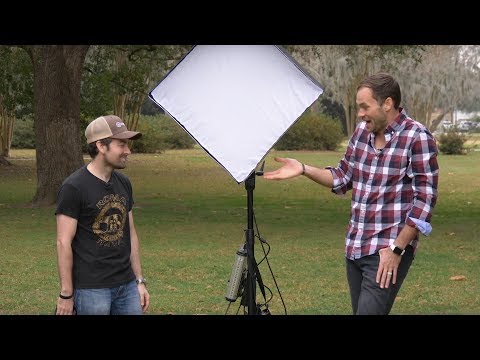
(110, 222)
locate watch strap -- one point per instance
(397, 250)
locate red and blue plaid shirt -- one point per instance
(391, 187)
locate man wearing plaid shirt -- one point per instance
(391, 167)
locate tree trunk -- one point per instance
(350, 116)
(6, 134)
(119, 106)
(436, 120)
(7, 120)
(57, 74)
(4, 161)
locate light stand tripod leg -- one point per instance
(251, 284)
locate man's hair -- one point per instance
(92, 147)
(383, 86)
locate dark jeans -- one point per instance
(366, 295)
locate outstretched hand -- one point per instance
(290, 169)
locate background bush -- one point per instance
(452, 142)
(313, 131)
(23, 134)
(160, 132)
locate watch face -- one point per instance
(396, 249)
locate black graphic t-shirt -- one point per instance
(101, 246)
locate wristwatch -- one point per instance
(141, 281)
(397, 250)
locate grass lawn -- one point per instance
(191, 215)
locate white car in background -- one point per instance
(466, 125)
(447, 125)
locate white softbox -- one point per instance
(236, 101)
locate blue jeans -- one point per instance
(119, 300)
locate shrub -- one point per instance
(23, 133)
(160, 132)
(313, 131)
(452, 142)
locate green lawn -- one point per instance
(191, 215)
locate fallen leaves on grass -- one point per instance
(457, 278)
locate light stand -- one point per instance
(267, 90)
(251, 284)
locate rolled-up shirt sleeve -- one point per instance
(423, 170)
(340, 183)
(342, 174)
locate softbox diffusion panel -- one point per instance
(236, 101)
